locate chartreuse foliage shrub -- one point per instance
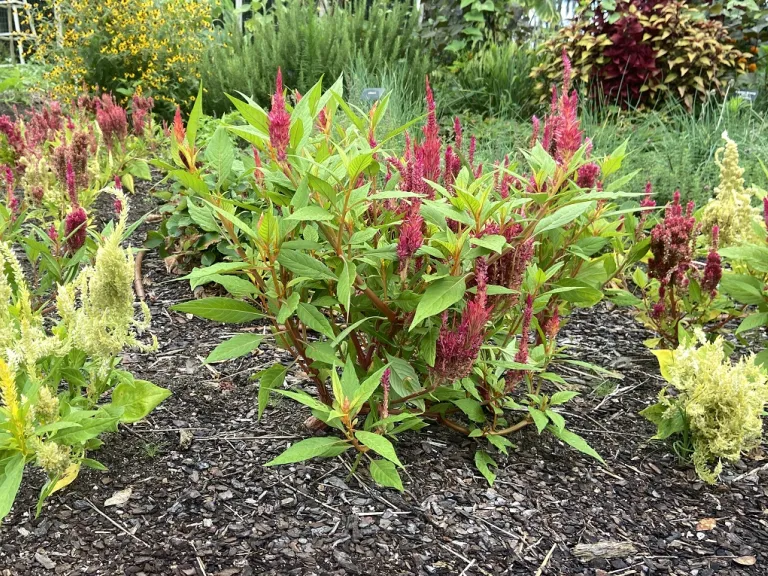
(147, 47)
(54, 376)
(713, 410)
(638, 52)
(412, 285)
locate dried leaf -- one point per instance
(706, 524)
(746, 560)
(120, 497)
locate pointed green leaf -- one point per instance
(385, 474)
(440, 296)
(219, 309)
(306, 449)
(378, 444)
(483, 462)
(235, 347)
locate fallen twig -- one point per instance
(138, 282)
(117, 525)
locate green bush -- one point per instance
(306, 45)
(495, 81)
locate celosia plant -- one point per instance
(413, 285)
(712, 407)
(53, 380)
(676, 293)
(731, 209)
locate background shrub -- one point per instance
(125, 47)
(496, 80)
(292, 35)
(643, 52)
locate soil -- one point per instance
(202, 503)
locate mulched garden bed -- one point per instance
(202, 503)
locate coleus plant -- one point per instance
(413, 286)
(55, 375)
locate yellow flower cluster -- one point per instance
(731, 210)
(722, 402)
(146, 46)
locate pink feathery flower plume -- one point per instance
(713, 270)
(586, 175)
(179, 132)
(384, 412)
(279, 120)
(458, 346)
(112, 120)
(75, 222)
(258, 174)
(458, 133)
(646, 202)
(118, 203)
(411, 235)
(13, 201)
(514, 377)
(430, 149)
(562, 133)
(672, 244)
(536, 123)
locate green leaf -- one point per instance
(138, 398)
(234, 285)
(288, 308)
(345, 283)
(311, 214)
(471, 408)
(304, 265)
(11, 471)
(304, 398)
(622, 297)
(235, 347)
(367, 388)
(220, 153)
(378, 444)
(556, 419)
(92, 425)
(580, 293)
(202, 216)
(753, 321)
(272, 377)
(743, 288)
(306, 449)
(483, 461)
(385, 474)
(494, 242)
(322, 352)
(314, 319)
(539, 418)
(219, 309)
(93, 464)
(562, 397)
(576, 441)
(194, 116)
(403, 378)
(440, 295)
(500, 442)
(563, 216)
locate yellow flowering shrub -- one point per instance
(716, 406)
(731, 209)
(125, 46)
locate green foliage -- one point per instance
(150, 47)
(713, 412)
(55, 376)
(406, 300)
(455, 26)
(638, 54)
(493, 81)
(294, 36)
